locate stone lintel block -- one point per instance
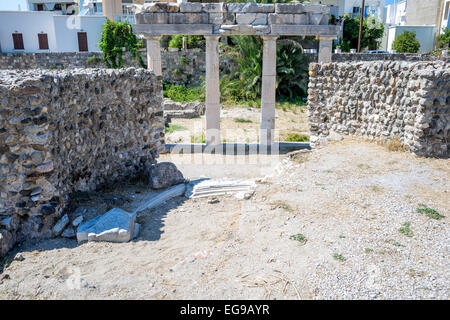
(251, 18)
(152, 18)
(250, 8)
(316, 18)
(329, 31)
(214, 7)
(289, 8)
(238, 29)
(300, 18)
(171, 29)
(160, 7)
(219, 18)
(316, 8)
(191, 7)
(261, 29)
(186, 18)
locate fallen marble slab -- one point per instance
(116, 225)
(215, 187)
(161, 197)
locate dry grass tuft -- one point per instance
(396, 145)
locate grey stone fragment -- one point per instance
(161, 197)
(188, 18)
(7, 241)
(10, 223)
(301, 18)
(250, 8)
(60, 225)
(116, 225)
(152, 18)
(160, 7)
(316, 8)
(68, 233)
(77, 221)
(191, 7)
(315, 18)
(251, 18)
(289, 8)
(214, 7)
(219, 18)
(165, 174)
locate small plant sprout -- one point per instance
(430, 212)
(339, 257)
(406, 229)
(298, 237)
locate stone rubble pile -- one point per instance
(174, 109)
(382, 100)
(65, 131)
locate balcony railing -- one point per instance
(124, 18)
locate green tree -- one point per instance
(406, 42)
(444, 39)
(372, 32)
(176, 41)
(117, 36)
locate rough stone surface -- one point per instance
(381, 101)
(116, 225)
(55, 140)
(164, 175)
(60, 225)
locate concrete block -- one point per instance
(251, 18)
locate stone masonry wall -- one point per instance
(381, 100)
(65, 131)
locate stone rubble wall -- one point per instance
(66, 131)
(184, 67)
(381, 100)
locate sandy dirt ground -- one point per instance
(349, 200)
(289, 120)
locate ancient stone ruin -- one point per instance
(213, 20)
(382, 100)
(65, 131)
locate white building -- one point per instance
(43, 31)
(445, 20)
(395, 13)
(353, 8)
(56, 6)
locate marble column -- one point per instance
(154, 55)
(325, 49)
(269, 74)
(212, 90)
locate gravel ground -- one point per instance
(348, 199)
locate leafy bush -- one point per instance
(115, 37)
(180, 93)
(295, 137)
(245, 83)
(176, 41)
(406, 42)
(444, 39)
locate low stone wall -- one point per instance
(65, 131)
(382, 100)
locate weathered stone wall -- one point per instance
(65, 131)
(382, 100)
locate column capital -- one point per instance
(326, 38)
(152, 37)
(212, 36)
(269, 37)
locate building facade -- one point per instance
(353, 8)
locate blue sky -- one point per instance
(13, 4)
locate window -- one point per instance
(18, 41)
(57, 7)
(43, 41)
(82, 41)
(40, 7)
(356, 10)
